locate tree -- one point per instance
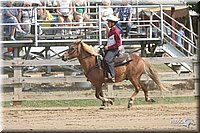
(195, 7)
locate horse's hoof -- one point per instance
(152, 100)
(110, 102)
(102, 107)
(103, 104)
(130, 104)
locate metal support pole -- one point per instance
(48, 56)
(150, 28)
(143, 45)
(161, 24)
(173, 23)
(16, 52)
(198, 44)
(137, 15)
(190, 49)
(100, 37)
(36, 32)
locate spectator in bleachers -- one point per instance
(26, 16)
(45, 15)
(80, 12)
(179, 37)
(106, 11)
(65, 14)
(11, 15)
(124, 13)
(54, 4)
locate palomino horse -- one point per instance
(132, 71)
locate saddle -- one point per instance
(120, 59)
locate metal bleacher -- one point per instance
(51, 36)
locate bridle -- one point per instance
(74, 50)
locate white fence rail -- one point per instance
(18, 79)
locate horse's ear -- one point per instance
(78, 41)
(81, 41)
(79, 45)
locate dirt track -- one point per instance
(140, 117)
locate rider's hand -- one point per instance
(106, 47)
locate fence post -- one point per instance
(110, 90)
(196, 77)
(17, 97)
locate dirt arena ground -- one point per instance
(166, 117)
(150, 117)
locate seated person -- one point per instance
(10, 15)
(125, 14)
(26, 16)
(80, 11)
(45, 15)
(106, 11)
(65, 13)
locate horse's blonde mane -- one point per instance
(90, 49)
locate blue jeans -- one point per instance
(128, 28)
(109, 63)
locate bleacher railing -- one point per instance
(98, 36)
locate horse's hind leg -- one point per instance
(137, 86)
(145, 90)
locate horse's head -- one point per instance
(73, 51)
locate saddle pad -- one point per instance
(122, 59)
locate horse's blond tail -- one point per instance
(152, 73)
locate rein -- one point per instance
(91, 68)
(85, 57)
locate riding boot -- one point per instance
(107, 76)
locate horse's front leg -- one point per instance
(108, 101)
(99, 95)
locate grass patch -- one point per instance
(96, 102)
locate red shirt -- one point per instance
(114, 38)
